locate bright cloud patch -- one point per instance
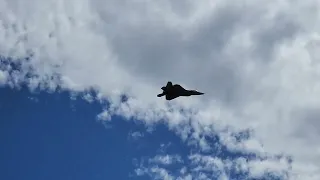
(198, 166)
(3, 77)
(256, 60)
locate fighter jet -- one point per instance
(174, 91)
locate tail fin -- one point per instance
(169, 84)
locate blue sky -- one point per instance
(51, 136)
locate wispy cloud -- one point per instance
(3, 77)
(213, 166)
(135, 135)
(165, 160)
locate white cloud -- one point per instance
(216, 167)
(88, 97)
(3, 77)
(160, 173)
(256, 60)
(258, 168)
(165, 160)
(135, 135)
(200, 166)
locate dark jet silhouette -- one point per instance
(174, 91)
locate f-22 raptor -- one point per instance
(174, 91)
